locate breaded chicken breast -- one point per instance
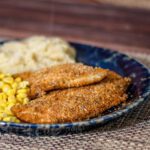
(75, 104)
(62, 76)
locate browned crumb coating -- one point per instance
(75, 104)
(62, 76)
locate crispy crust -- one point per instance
(62, 76)
(75, 104)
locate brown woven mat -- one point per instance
(131, 131)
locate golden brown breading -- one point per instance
(23, 75)
(62, 76)
(75, 104)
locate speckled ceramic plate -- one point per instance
(139, 91)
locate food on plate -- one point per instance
(12, 91)
(41, 83)
(34, 53)
(75, 104)
(62, 76)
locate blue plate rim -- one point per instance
(93, 121)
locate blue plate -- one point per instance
(139, 91)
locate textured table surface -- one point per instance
(123, 29)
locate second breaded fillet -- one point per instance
(62, 76)
(75, 104)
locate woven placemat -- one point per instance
(131, 131)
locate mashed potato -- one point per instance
(34, 53)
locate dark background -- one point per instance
(119, 27)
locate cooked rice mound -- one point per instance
(34, 53)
